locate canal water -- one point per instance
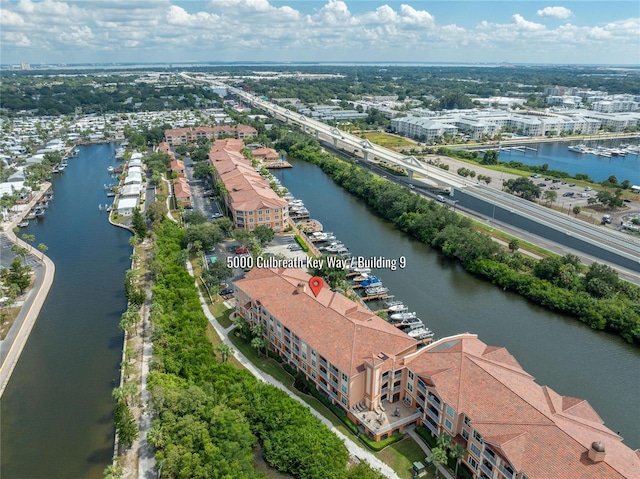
(57, 410)
(599, 168)
(559, 351)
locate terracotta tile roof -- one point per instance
(342, 331)
(247, 190)
(541, 433)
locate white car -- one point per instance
(588, 188)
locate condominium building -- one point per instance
(248, 196)
(179, 136)
(509, 426)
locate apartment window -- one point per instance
(467, 421)
(266, 211)
(477, 436)
(268, 218)
(313, 374)
(465, 434)
(344, 389)
(410, 376)
(277, 217)
(250, 220)
(450, 411)
(409, 400)
(313, 352)
(344, 377)
(475, 449)
(448, 424)
(473, 463)
(410, 386)
(313, 363)
(344, 401)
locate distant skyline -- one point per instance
(168, 31)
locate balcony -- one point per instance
(435, 401)
(429, 425)
(397, 374)
(323, 361)
(433, 415)
(506, 473)
(486, 470)
(422, 387)
(492, 459)
(324, 374)
(421, 402)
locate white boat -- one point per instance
(398, 308)
(110, 169)
(361, 270)
(420, 333)
(412, 323)
(374, 290)
(403, 316)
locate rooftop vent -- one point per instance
(597, 453)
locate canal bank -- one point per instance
(14, 342)
(57, 409)
(559, 351)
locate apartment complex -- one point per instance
(510, 427)
(179, 136)
(248, 196)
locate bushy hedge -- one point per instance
(380, 445)
(209, 415)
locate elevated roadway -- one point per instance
(602, 243)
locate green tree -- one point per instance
(490, 157)
(242, 236)
(126, 428)
(225, 351)
(439, 457)
(113, 470)
(550, 196)
(218, 272)
(263, 234)
(157, 211)
(203, 170)
(457, 452)
(576, 210)
(194, 217)
(27, 238)
(523, 187)
(514, 245)
(137, 223)
(43, 248)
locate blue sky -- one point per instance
(558, 32)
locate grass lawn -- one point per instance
(401, 456)
(212, 336)
(386, 140)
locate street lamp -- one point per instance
(455, 202)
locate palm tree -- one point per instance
(258, 343)
(439, 457)
(457, 453)
(444, 441)
(225, 351)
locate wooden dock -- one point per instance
(375, 296)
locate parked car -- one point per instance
(588, 188)
(242, 251)
(568, 193)
(556, 180)
(216, 215)
(627, 200)
(571, 185)
(226, 291)
(554, 187)
(542, 185)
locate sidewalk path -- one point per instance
(412, 432)
(31, 308)
(354, 449)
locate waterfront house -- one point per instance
(509, 426)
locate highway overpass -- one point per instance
(605, 244)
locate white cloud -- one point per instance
(163, 30)
(555, 12)
(523, 24)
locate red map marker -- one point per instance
(316, 283)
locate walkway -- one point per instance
(354, 449)
(30, 310)
(412, 432)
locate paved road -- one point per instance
(44, 269)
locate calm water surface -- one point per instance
(57, 410)
(558, 157)
(560, 352)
